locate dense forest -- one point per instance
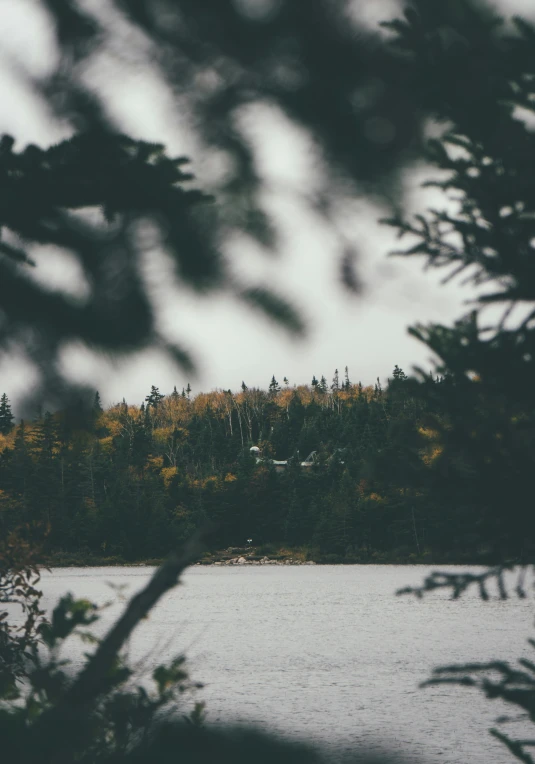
(131, 482)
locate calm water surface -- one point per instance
(328, 652)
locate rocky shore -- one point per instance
(263, 561)
(234, 556)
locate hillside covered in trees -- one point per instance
(131, 482)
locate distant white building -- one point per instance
(280, 465)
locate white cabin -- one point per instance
(280, 465)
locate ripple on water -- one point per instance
(328, 653)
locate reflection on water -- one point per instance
(327, 653)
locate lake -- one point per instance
(327, 653)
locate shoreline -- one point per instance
(247, 556)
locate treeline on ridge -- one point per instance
(131, 482)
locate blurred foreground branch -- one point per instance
(94, 680)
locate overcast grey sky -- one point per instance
(368, 333)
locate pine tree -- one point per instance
(46, 435)
(6, 417)
(97, 403)
(286, 381)
(21, 465)
(347, 383)
(314, 382)
(154, 397)
(175, 394)
(48, 478)
(274, 386)
(188, 391)
(377, 389)
(484, 231)
(244, 386)
(141, 440)
(322, 386)
(399, 375)
(335, 387)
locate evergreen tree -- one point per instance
(6, 417)
(335, 387)
(347, 383)
(377, 389)
(244, 387)
(20, 469)
(322, 386)
(175, 394)
(399, 375)
(46, 439)
(314, 382)
(483, 416)
(188, 391)
(46, 489)
(274, 386)
(140, 443)
(154, 398)
(97, 403)
(487, 233)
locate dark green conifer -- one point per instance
(399, 375)
(154, 397)
(97, 403)
(21, 465)
(6, 417)
(335, 387)
(274, 386)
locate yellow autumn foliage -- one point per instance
(428, 433)
(6, 441)
(211, 481)
(168, 474)
(114, 426)
(431, 454)
(284, 398)
(376, 497)
(161, 434)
